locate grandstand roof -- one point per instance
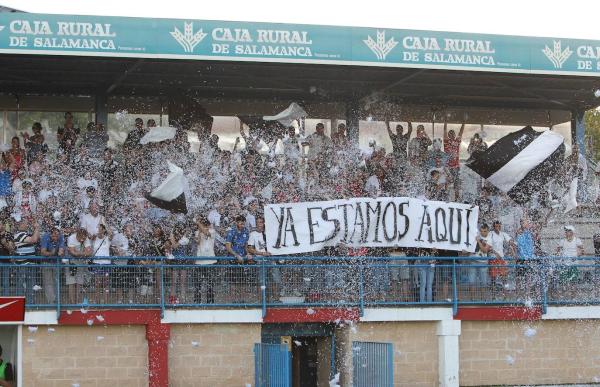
(85, 55)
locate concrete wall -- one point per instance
(212, 354)
(415, 349)
(546, 352)
(85, 356)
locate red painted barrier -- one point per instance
(499, 313)
(304, 315)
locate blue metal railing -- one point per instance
(156, 282)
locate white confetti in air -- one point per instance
(83, 310)
(306, 279)
(529, 303)
(510, 360)
(335, 382)
(597, 93)
(31, 341)
(399, 352)
(248, 385)
(195, 344)
(100, 338)
(337, 321)
(298, 344)
(90, 322)
(32, 329)
(37, 287)
(357, 348)
(75, 385)
(596, 379)
(353, 329)
(263, 287)
(310, 311)
(530, 332)
(100, 318)
(51, 330)
(69, 312)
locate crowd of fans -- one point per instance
(84, 203)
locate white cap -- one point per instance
(569, 228)
(249, 200)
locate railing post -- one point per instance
(263, 287)
(361, 288)
(454, 289)
(162, 288)
(544, 284)
(57, 279)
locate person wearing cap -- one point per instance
(52, 246)
(251, 205)
(568, 249)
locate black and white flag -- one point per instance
(170, 193)
(520, 163)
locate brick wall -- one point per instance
(88, 356)
(212, 354)
(550, 352)
(415, 349)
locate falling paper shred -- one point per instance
(306, 279)
(510, 360)
(263, 287)
(69, 312)
(83, 310)
(195, 344)
(529, 303)
(32, 329)
(37, 287)
(90, 322)
(298, 344)
(530, 332)
(31, 341)
(335, 382)
(310, 311)
(50, 330)
(99, 318)
(100, 338)
(75, 385)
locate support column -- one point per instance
(343, 355)
(101, 108)
(352, 120)
(158, 335)
(448, 332)
(578, 130)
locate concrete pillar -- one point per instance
(352, 120)
(448, 352)
(578, 130)
(343, 355)
(101, 108)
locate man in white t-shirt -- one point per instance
(499, 240)
(122, 278)
(570, 246)
(568, 249)
(79, 248)
(91, 221)
(478, 276)
(257, 246)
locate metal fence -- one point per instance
(153, 282)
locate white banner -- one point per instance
(383, 222)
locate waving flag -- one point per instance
(169, 194)
(520, 163)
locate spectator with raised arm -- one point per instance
(452, 149)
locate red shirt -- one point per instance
(451, 148)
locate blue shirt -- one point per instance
(238, 239)
(525, 245)
(5, 183)
(48, 244)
